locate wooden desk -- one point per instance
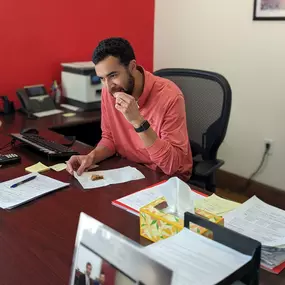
(81, 125)
(18, 120)
(37, 239)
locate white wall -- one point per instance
(221, 36)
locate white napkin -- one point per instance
(114, 176)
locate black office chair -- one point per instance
(208, 99)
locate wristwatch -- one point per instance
(143, 127)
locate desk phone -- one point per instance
(35, 99)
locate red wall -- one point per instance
(36, 36)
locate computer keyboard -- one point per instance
(50, 148)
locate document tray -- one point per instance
(247, 274)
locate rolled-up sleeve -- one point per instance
(171, 151)
(107, 138)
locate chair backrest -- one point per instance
(208, 98)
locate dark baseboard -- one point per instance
(234, 183)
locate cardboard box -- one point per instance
(155, 224)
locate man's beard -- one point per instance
(128, 90)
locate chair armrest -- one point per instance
(207, 167)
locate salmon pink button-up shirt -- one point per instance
(162, 104)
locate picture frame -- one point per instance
(269, 10)
(100, 253)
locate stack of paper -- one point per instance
(113, 176)
(264, 223)
(12, 197)
(216, 205)
(195, 259)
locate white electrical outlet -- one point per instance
(269, 141)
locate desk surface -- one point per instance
(37, 239)
(19, 121)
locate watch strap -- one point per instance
(143, 127)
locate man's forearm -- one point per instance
(167, 157)
(100, 153)
(148, 137)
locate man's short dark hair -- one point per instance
(88, 264)
(117, 47)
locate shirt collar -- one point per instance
(148, 84)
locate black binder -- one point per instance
(247, 274)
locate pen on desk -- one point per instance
(24, 181)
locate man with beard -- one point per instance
(143, 116)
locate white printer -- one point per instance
(80, 85)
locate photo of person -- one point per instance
(88, 267)
(103, 256)
(101, 279)
(84, 278)
(93, 270)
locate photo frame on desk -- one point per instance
(102, 254)
(269, 10)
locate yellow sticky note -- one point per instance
(38, 167)
(58, 167)
(216, 205)
(69, 114)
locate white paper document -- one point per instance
(48, 113)
(258, 220)
(69, 107)
(113, 176)
(272, 259)
(177, 193)
(195, 259)
(12, 197)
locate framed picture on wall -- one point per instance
(269, 10)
